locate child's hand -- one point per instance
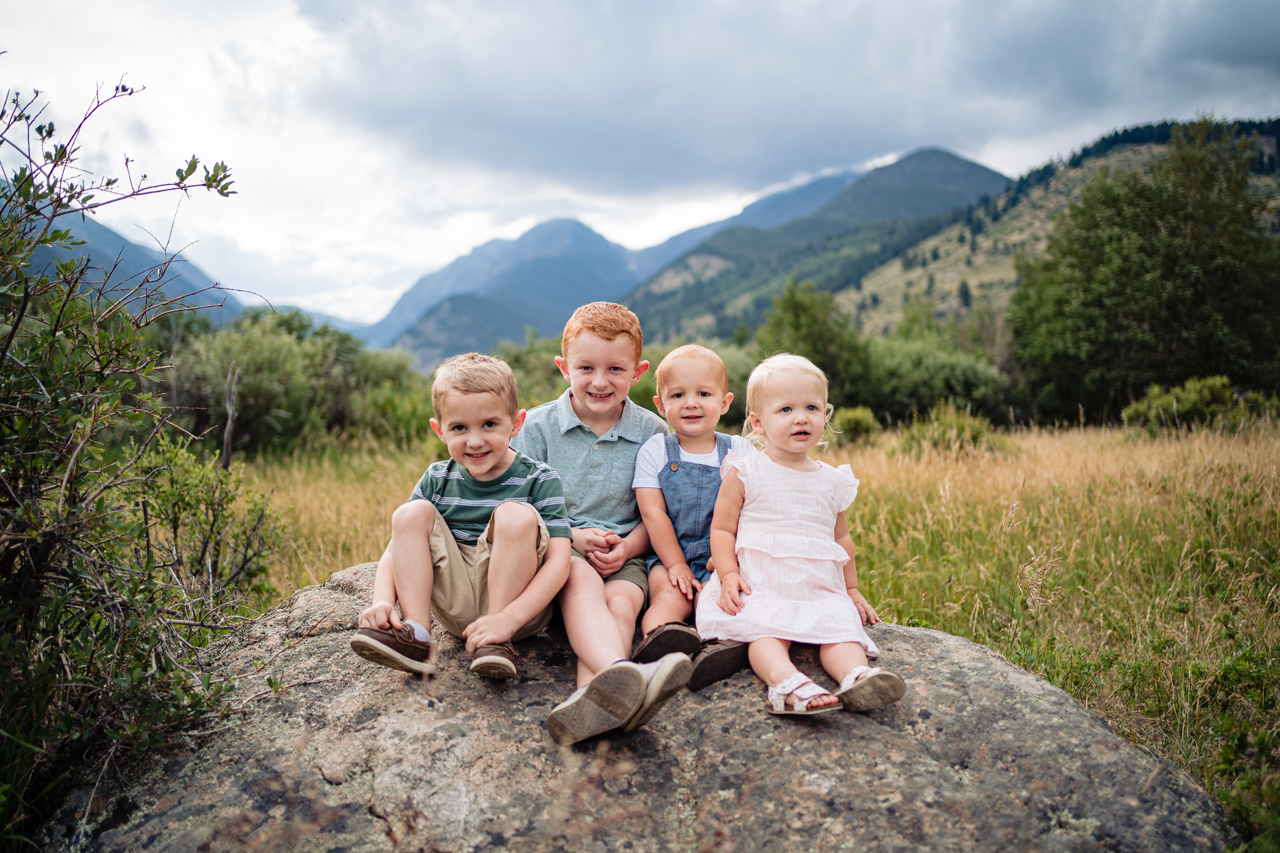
(865, 610)
(682, 579)
(609, 561)
(489, 630)
(732, 588)
(588, 540)
(380, 615)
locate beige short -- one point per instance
(460, 590)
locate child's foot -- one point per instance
(867, 687)
(666, 639)
(495, 661)
(662, 679)
(398, 649)
(800, 696)
(716, 660)
(606, 703)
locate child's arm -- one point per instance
(724, 536)
(662, 536)
(845, 541)
(494, 628)
(381, 613)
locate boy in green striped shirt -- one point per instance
(483, 543)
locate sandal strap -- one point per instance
(779, 692)
(857, 673)
(806, 693)
(801, 689)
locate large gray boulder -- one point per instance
(979, 755)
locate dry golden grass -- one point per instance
(1142, 576)
(339, 503)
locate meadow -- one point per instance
(1140, 575)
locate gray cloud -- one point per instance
(624, 97)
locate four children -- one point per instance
(567, 501)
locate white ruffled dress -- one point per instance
(788, 555)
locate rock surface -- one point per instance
(979, 755)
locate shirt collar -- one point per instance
(628, 426)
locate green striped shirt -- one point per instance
(466, 503)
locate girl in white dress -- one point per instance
(784, 567)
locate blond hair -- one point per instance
(691, 352)
(607, 321)
(475, 373)
(765, 374)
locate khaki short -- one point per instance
(632, 570)
(460, 591)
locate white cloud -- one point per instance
(373, 143)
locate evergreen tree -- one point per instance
(1154, 277)
(807, 322)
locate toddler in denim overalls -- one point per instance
(676, 482)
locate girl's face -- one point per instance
(792, 413)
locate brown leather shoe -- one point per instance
(667, 639)
(495, 661)
(718, 659)
(398, 649)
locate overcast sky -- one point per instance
(375, 142)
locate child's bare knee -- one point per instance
(516, 520)
(413, 517)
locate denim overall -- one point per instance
(690, 492)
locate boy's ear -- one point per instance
(564, 367)
(662, 410)
(640, 369)
(728, 398)
(518, 423)
(435, 425)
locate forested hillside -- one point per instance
(732, 279)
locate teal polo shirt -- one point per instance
(596, 471)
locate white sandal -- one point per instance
(802, 691)
(867, 687)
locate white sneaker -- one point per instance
(607, 702)
(662, 679)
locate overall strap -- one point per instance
(723, 444)
(673, 447)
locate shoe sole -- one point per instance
(710, 667)
(807, 712)
(375, 652)
(665, 684)
(492, 666)
(874, 691)
(608, 702)
(659, 645)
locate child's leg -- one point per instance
(624, 600)
(873, 688)
(588, 621)
(771, 660)
(666, 602)
(838, 658)
(410, 554)
(513, 554)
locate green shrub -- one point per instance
(1249, 762)
(949, 429)
(1198, 403)
(212, 532)
(97, 626)
(911, 375)
(854, 426)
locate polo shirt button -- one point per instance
(595, 447)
